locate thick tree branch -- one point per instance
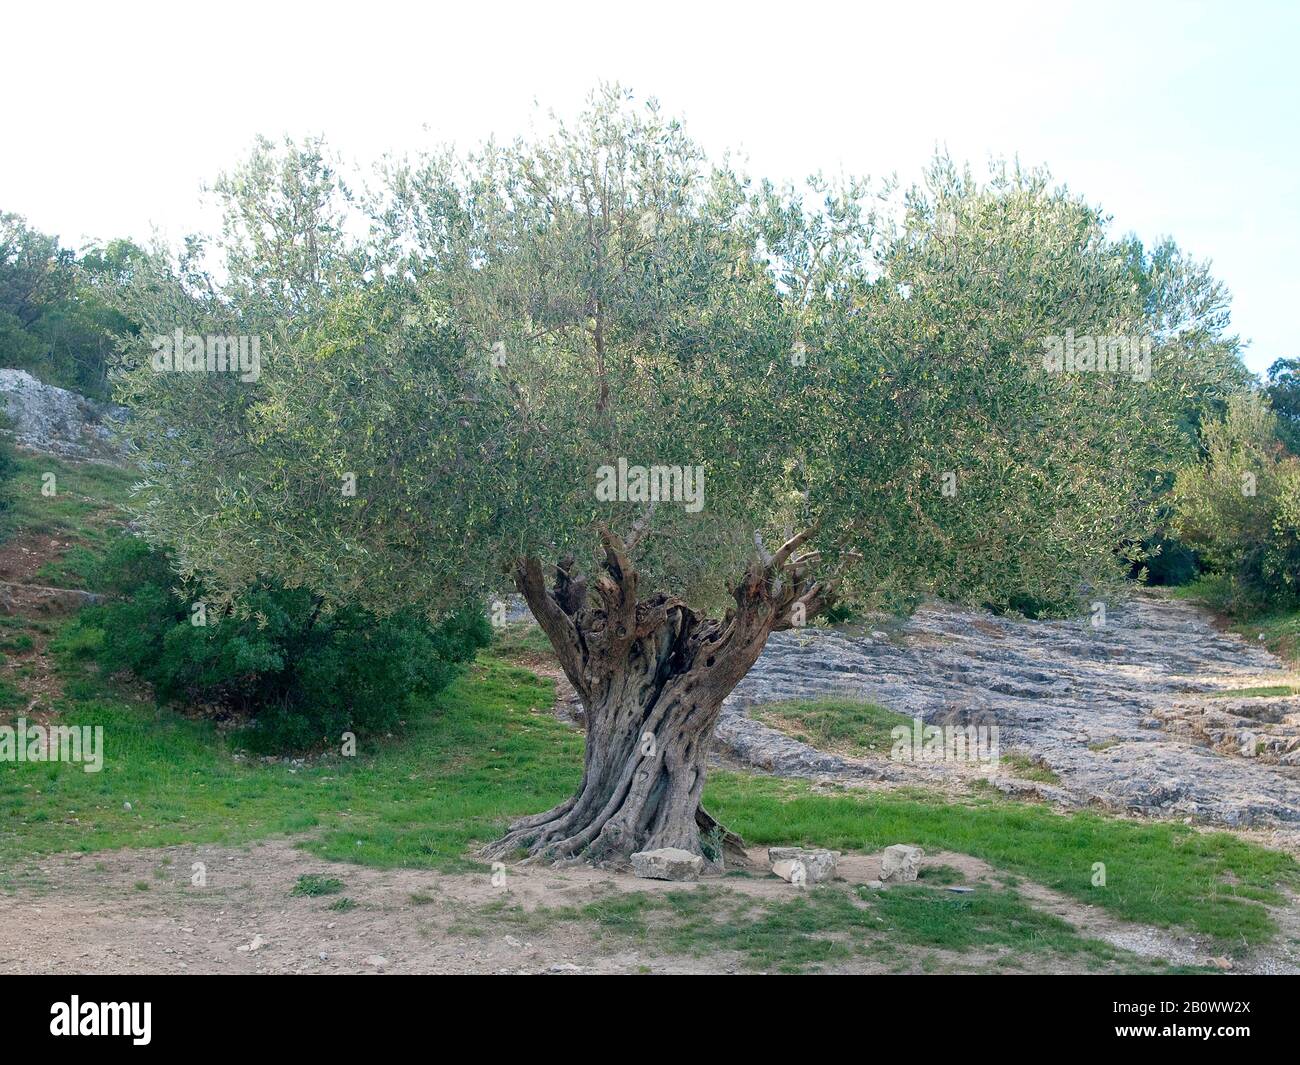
(558, 625)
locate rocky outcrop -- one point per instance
(1124, 716)
(1136, 715)
(58, 422)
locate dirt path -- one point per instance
(137, 911)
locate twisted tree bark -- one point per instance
(651, 674)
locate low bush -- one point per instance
(301, 675)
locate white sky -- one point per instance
(1178, 118)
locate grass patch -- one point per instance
(10, 696)
(478, 754)
(86, 503)
(1277, 629)
(940, 875)
(1026, 768)
(313, 884)
(19, 642)
(839, 725)
(343, 905)
(521, 640)
(1262, 692)
(1280, 631)
(73, 569)
(486, 750)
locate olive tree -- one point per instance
(675, 409)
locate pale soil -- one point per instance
(90, 915)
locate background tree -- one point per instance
(1200, 361)
(1240, 506)
(1282, 386)
(58, 313)
(860, 377)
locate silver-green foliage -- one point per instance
(477, 335)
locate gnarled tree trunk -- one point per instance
(652, 675)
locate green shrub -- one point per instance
(1239, 509)
(303, 676)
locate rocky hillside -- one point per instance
(1155, 713)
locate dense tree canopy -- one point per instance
(640, 387)
(528, 315)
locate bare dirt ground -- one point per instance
(137, 911)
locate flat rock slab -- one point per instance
(667, 863)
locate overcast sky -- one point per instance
(1179, 119)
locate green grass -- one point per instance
(86, 504)
(1280, 629)
(74, 569)
(841, 725)
(10, 696)
(313, 884)
(474, 757)
(940, 875)
(1210, 588)
(1262, 692)
(1275, 628)
(21, 642)
(1021, 765)
(858, 727)
(521, 640)
(485, 751)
